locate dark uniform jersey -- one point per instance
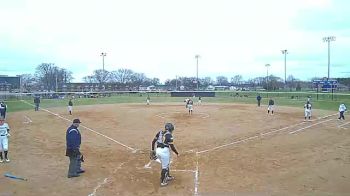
(271, 102)
(164, 139)
(70, 103)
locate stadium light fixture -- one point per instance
(328, 40)
(285, 52)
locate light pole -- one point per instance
(267, 76)
(197, 57)
(329, 39)
(285, 52)
(103, 54)
(176, 83)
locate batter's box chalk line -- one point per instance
(105, 180)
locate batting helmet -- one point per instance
(169, 127)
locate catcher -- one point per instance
(164, 140)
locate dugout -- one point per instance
(193, 93)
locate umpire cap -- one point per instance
(76, 120)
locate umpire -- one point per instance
(73, 139)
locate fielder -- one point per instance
(270, 107)
(342, 109)
(190, 106)
(4, 134)
(3, 108)
(199, 100)
(70, 106)
(307, 108)
(37, 103)
(148, 100)
(164, 140)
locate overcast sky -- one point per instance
(160, 38)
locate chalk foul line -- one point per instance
(98, 133)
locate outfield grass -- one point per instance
(284, 99)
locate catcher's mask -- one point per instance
(169, 127)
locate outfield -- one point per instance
(226, 148)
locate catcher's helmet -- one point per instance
(169, 127)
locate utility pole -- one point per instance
(285, 52)
(329, 39)
(197, 57)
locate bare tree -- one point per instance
(122, 75)
(221, 80)
(236, 80)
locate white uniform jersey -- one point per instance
(342, 108)
(4, 129)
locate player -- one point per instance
(186, 102)
(270, 107)
(199, 100)
(307, 108)
(73, 141)
(3, 108)
(148, 100)
(342, 109)
(4, 134)
(164, 140)
(190, 106)
(70, 106)
(258, 98)
(37, 103)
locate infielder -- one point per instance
(307, 108)
(70, 106)
(4, 134)
(199, 100)
(148, 100)
(342, 109)
(3, 108)
(190, 106)
(270, 107)
(164, 140)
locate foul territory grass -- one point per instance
(281, 99)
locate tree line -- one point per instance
(48, 76)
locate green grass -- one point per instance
(283, 99)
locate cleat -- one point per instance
(1, 160)
(170, 178)
(7, 160)
(163, 183)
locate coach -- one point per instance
(73, 139)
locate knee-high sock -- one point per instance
(163, 176)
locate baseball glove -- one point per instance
(152, 155)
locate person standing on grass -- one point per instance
(37, 103)
(3, 108)
(148, 100)
(258, 98)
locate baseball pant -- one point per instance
(307, 113)
(164, 156)
(3, 143)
